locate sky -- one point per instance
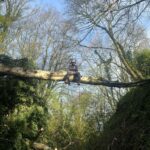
(58, 4)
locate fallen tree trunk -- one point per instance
(59, 76)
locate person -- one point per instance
(72, 70)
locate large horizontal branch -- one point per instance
(59, 76)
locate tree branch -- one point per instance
(59, 76)
(131, 5)
(40, 146)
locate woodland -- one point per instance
(110, 42)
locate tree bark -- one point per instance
(59, 76)
(40, 146)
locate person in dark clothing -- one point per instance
(72, 70)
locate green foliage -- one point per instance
(25, 63)
(5, 23)
(128, 128)
(23, 111)
(27, 106)
(68, 124)
(142, 62)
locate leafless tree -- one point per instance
(10, 11)
(115, 20)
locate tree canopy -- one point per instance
(108, 39)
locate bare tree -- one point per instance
(113, 19)
(11, 10)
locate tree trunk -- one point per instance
(134, 73)
(59, 76)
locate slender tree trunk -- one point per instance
(134, 73)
